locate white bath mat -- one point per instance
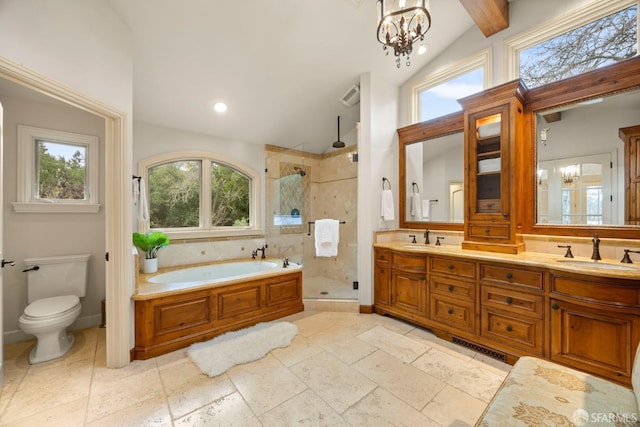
(216, 356)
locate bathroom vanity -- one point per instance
(490, 293)
(575, 312)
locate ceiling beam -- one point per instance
(491, 16)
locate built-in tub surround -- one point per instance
(181, 305)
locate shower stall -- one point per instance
(302, 188)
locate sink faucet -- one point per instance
(596, 249)
(414, 238)
(426, 237)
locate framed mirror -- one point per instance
(579, 171)
(431, 190)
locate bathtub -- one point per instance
(210, 275)
(175, 308)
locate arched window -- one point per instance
(199, 194)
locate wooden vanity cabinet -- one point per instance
(381, 277)
(452, 293)
(512, 302)
(595, 324)
(494, 130)
(409, 284)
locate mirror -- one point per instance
(432, 174)
(578, 174)
(581, 160)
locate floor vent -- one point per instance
(480, 349)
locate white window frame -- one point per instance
(28, 202)
(205, 229)
(557, 26)
(481, 59)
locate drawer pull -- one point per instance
(509, 300)
(509, 328)
(450, 311)
(450, 288)
(450, 266)
(509, 276)
(555, 306)
(488, 230)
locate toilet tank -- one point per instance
(56, 276)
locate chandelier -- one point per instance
(401, 25)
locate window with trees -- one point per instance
(198, 193)
(59, 171)
(597, 35)
(436, 95)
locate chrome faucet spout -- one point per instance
(596, 249)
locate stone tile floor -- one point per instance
(342, 369)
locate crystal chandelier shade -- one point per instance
(400, 25)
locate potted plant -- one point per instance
(150, 244)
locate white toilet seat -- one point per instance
(51, 308)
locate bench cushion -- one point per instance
(538, 392)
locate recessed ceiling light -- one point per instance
(220, 107)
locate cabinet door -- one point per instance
(488, 166)
(381, 285)
(596, 340)
(409, 291)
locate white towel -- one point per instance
(327, 236)
(416, 205)
(388, 210)
(426, 208)
(140, 199)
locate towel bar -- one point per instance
(313, 222)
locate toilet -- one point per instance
(54, 288)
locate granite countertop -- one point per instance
(581, 265)
(145, 290)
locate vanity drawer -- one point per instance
(409, 262)
(381, 256)
(452, 267)
(453, 312)
(498, 231)
(512, 301)
(506, 275)
(452, 287)
(607, 292)
(522, 332)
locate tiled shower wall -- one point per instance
(330, 192)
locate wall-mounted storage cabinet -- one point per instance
(494, 129)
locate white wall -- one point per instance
(377, 158)
(28, 235)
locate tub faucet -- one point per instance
(596, 249)
(261, 249)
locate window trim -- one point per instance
(204, 230)
(483, 58)
(26, 158)
(557, 26)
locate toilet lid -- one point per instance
(50, 306)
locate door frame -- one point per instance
(117, 204)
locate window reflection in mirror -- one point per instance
(581, 160)
(434, 176)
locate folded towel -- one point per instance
(416, 205)
(327, 236)
(426, 208)
(388, 210)
(140, 199)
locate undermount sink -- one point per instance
(599, 265)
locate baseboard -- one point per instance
(85, 322)
(366, 309)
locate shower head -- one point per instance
(299, 171)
